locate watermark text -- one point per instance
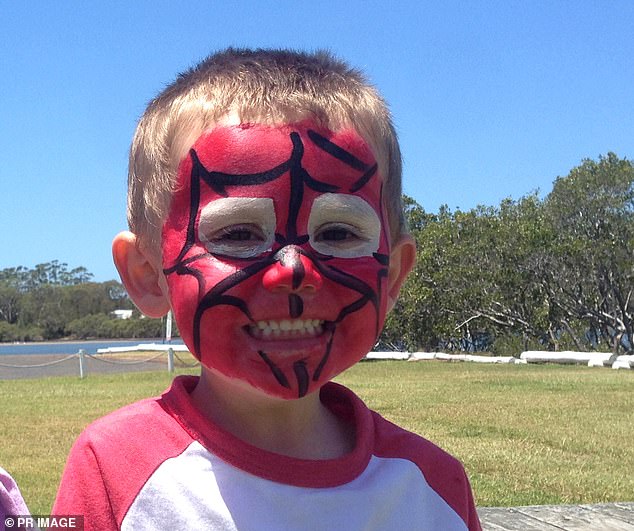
(44, 522)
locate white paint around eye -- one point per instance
(227, 211)
(332, 210)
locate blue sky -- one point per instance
(491, 99)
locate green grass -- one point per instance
(527, 434)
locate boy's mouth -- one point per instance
(286, 329)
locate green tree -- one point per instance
(590, 275)
(554, 273)
(473, 281)
(42, 307)
(9, 302)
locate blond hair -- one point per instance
(264, 86)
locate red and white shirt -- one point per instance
(159, 464)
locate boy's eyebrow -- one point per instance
(336, 151)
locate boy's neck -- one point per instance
(303, 428)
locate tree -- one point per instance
(41, 302)
(9, 302)
(473, 282)
(552, 273)
(591, 273)
(42, 307)
(410, 325)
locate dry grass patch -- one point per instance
(181, 359)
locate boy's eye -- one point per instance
(239, 227)
(344, 226)
(239, 234)
(335, 234)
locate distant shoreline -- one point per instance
(65, 347)
(78, 341)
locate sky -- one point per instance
(491, 99)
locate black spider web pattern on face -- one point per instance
(299, 178)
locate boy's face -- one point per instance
(276, 252)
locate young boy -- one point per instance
(264, 210)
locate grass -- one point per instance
(527, 434)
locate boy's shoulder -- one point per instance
(129, 417)
(390, 440)
(143, 420)
(442, 470)
(113, 457)
(443, 473)
(147, 428)
(402, 458)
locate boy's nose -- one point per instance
(292, 272)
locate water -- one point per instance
(72, 347)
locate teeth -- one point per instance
(287, 328)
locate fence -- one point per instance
(81, 359)
(171, 352)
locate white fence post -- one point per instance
(170, 359)
(168, 327)
(82, 353)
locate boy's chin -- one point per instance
(283, 383)
(284, 386)
(282, 393)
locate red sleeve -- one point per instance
(82, 490)
(444, 473)
(113, 459)
(471, 515)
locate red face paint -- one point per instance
(276, 251)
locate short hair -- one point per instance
(263, 86)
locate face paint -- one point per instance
(276, 252)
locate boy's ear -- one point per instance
(402, 260)
(141, 275)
